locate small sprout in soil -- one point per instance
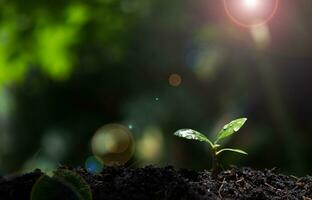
(228, 130)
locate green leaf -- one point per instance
(193, 135)
(233, 150)
(230, 128)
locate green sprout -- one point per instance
(228, 130)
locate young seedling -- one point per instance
(228, 130)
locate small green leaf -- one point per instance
(193, 135)
(233, 150)
(230, 128)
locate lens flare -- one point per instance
(250, 13)
(113, 144)
(251, 4)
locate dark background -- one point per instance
(69, 67)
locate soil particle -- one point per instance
(119, 183)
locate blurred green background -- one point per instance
(69, 67)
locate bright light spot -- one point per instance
(251, 13)
(251, 4)
(156, 98)
(130, 126)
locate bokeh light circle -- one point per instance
(62, 183)
(94, 164)
(113, 144)
(250, 13)
(175, 80)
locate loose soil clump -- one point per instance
(121, 183)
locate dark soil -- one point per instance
(169, 183)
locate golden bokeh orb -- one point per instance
(114, 144)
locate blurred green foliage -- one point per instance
(69, 67)
(45, 35)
